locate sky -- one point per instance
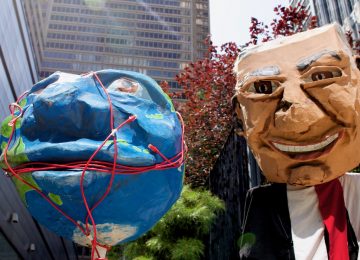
(230, 19)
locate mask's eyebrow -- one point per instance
(306, 62)
(265, 71)
(262, 72)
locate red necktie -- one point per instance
(333, 212)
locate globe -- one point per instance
(109, 143)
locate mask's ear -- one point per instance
(237, 117)
(357, 61)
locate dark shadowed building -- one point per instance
(21, 237)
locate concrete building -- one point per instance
(155, 37)
(21, 237)
(344, 12)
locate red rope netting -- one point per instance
(90, 165)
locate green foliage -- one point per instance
(357, 169)
(180, 233)
(114, 253)
(143, 258)
(188, 249)
(246, 239)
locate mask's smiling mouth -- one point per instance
(308, 151)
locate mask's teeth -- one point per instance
(306, 148)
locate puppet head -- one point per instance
(297, 98)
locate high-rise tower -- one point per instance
(155, 37)
(344, 12)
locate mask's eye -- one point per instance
(321, 75)
(125, 85)
(263, 87)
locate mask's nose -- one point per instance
(296, 112)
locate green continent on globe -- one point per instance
(15, 155)
(5, 129)
(55, 198)
(155, 116)
(23, 188)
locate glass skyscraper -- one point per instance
(344, 12)
(155, 37)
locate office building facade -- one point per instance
(21, 237)
(155, 37)
(17, 65)
(344, 12)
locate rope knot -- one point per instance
(13, 107)
(113, 132)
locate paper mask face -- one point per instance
(299, 103)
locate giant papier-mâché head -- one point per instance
(298, 100)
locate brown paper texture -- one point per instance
(298, 100)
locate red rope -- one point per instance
(90, 165)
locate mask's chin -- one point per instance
(308, 175)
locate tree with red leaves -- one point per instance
(288, 21)
(355, 44)
(208, 86)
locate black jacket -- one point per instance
(266, 229)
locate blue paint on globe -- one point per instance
(66, 118)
